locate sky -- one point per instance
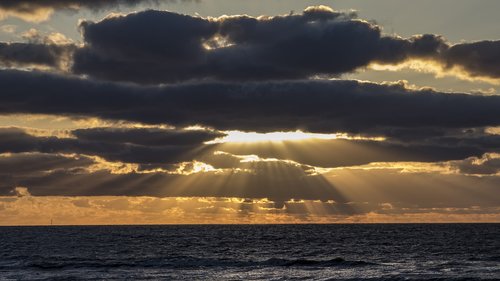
(232, 111)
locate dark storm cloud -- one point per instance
(147, 136)
(242, 47)
(34, 54)
(477, 59)
(153, 47)
(38, 163)
(131, 146)
(171, 45)
(315, 106)
(489, 142)
(435, 136)
(165, 47)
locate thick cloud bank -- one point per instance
(127, 145)
(316, 106)
(153, 148)
(165, 47)
(319, 41)
(35, 54)
(153, 47)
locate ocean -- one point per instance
(252, 252)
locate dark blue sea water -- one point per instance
(252, 252)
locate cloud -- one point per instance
(8, 28)
(50, 56)
(341, 153)
(230, 47)
(477, 59)
(147, 136)
(278, 180)
(37, 210)
(33, 35)
(285, 182)
(52, 51)
(21, 191)
(125, 150)
(310, 106)
(439, 153)
(262, 183)
(488, 164)
(41, 10)
(175, 53)
(146, 146)
(320, 41)
(39, 163)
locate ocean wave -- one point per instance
(346, 252)
(309, 262)
(189, 262)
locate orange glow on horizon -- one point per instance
(25, 209)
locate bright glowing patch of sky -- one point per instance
(77, 167)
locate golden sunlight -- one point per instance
(239, 136)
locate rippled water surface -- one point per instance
(252, 252)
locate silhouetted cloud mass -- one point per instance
(35, 54)
(155, 148)
(320, 41)
(131, 146)
(145, 94)
(310, 105)
(152, 47)
(478, 59)
(66, 175)
(147, 136)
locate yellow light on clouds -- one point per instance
(239, 136)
